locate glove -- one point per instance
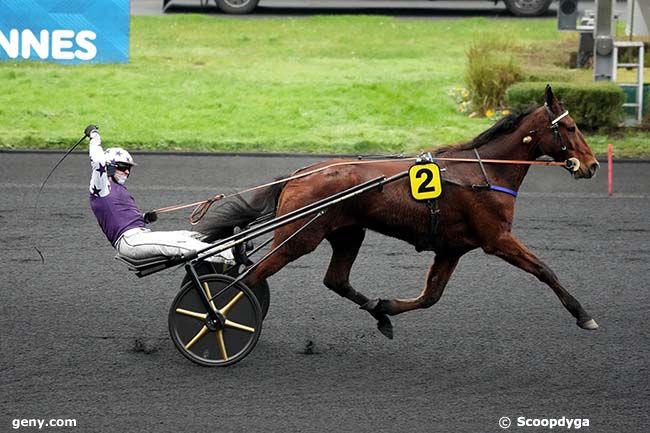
(150, 217)
(90, 129)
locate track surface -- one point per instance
(83, 338)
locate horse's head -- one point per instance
(560, 138)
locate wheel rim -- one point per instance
(202, 342)
(527, 5)
(237, 3)
(261, 290)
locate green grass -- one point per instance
(345, 84)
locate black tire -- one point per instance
(215, 347)
(527, 8)
(261, 290)
(237, 6)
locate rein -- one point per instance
(202, 207)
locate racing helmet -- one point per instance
(115, 156)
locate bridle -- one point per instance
(555, 127)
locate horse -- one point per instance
(465, 217)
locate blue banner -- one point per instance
(65, 31)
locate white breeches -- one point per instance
(140, 243)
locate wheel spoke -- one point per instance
(196, 338)
(200, 316)
(232, 303)
(239, 326)
(207, 291)
(222, 345)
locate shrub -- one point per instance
(548, 74)
(491, 69)
(592, 105)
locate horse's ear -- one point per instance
(549, 97)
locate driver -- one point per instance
(119, 216)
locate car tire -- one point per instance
(527, 8)
(237, 6)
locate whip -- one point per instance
(38, 196)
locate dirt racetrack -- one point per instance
(82, 338)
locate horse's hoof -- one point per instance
(385, 327)
(590, 324)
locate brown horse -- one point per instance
(463, 219)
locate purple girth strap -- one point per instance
(504, 190)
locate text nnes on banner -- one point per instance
(65, 31)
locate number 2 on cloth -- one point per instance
(425, 181)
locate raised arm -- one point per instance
(99, 184)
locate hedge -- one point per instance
(592, 105)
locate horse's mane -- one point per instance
(505, 125)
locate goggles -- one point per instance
(122, 166)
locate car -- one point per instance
(520, 8)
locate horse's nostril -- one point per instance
(593, 168)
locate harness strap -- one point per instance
(504, 189)
(488, 185)
(560, 117)
(555, 125)
(434, 212)
(480, 163)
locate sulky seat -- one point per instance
(150, 265)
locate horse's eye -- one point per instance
(571, 129)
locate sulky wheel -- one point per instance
(260, 289)
(214, 344)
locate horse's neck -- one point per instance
(509, 146)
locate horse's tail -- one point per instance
(220, 222)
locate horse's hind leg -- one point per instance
(514, 252)
(297, 247)
(437, 279)
(345, 247)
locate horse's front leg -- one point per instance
(514, 252)
(439, 274)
